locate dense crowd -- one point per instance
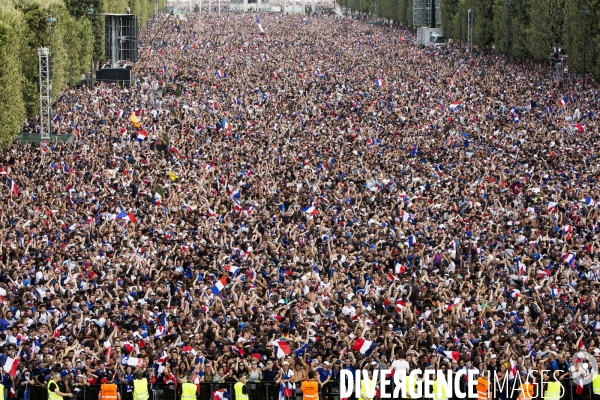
(323, 195)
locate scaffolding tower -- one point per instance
(376, 8)
(45, 93)
(469, 30)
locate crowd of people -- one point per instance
(279, 194)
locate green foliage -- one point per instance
(449, 10)
(23, 31)
(575, 24)
(12, 107)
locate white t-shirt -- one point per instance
(351, 311)
(400, 365)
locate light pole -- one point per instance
(585, 12)
(90, 13)
(460, 16)
(508, 5)
(50, 21)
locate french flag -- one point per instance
(312, 209)
(282, 349)
(225, 124)
(141, 135)
(399, 269)
(238, 350)
(221, 394)
(208, 167)
(127, 217)
(454, 106)
(453, 355)
(521, 266)
(132, 361)
(235, 196)
(248, 210)
(379, 82)
(564, 101)
(579, 127)
(231, 269)
(120, 113)
(163, 358)
(364, 346)
(10, 365)
(160, 331)
(259, 24)
(568, 259)
(128, 347)
(412, 240)
(555, 292)
(14, 188)
(219, 285)
(515, 117)
(221, 73)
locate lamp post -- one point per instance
(585, 12)
(460, 16)
(50, 21)
(90, 13)
(508, 5)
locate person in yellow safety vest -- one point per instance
(188, 391)
(310, 388)
(408, 383)
(443, 395)
(553, 390)
(53, 392)
(140, 387)
(596, 387)
(240, 388)
(364, 384)
(108, 391)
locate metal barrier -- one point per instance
(258, 391)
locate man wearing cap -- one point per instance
(108, 391)
(53, 391)
(324, 373)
